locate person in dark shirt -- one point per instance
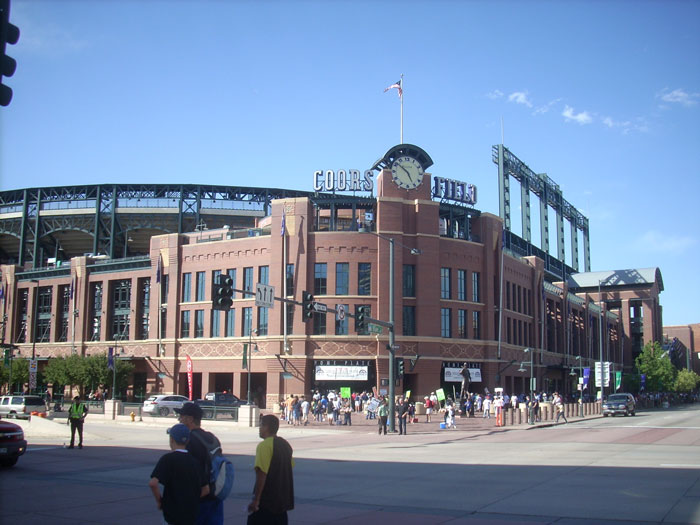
(273, 493)
(181, 477)
(211, 509)
(403, 415)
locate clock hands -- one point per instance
(407, 172)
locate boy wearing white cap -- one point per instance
(180, 475)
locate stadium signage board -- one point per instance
(454, 190)
(343, 180)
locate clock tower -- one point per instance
(403, 173)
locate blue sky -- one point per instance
(602, 96)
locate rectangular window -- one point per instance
(445, 322)
(264, 275)
(144, 307)
(248, 280)
(230, 319)
(320, 324)
(185, 324)
(186, 287)
(476, 324)
(290, 280)
(508, 336)
(42, 323)
(507, 295)
(445, 283)
(231, 272)
(247, 320)
(461, 285)
(215, 323)
(320, 278)
(409, 320)
(262, 320)
(199, 323)
(290, 319)
(476, 290)
(63, 312)
(364, 278)
(341, 327)
(201, 283)
(462, 324)
(409, 280)
(121, 309)
(520, 304)
(342, 278)
(369, 314)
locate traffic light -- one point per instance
(399, 367)
(222, 293)
(9, 34)
(8, 353)
(361, 319)
(307, 301)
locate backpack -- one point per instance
(220, 469)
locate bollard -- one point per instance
(520, 417)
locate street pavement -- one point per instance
(643, 469)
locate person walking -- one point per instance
(428, 409)
(382, 414)
(487, 407)
(559, 403)
(211, 509)
(273, 493)
(181, 477)
(76, 417)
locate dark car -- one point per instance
(219, 403)
(12, 443)
(619, 404)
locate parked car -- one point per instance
(12, 443)
(163, 405)
(619, 404)
(214, 401)
(21, 406)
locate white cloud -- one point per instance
(581, 118)
(544, 109)
(627, 126)
(495, 94)
(520, 97)
(679, 96)
(670, 244)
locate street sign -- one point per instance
(320, 307)
(395, 347)
(264, 295)
(340, 312)
(375, 329)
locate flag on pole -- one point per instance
(245, 356)
(72, 288)
(110, 358)
(284, 225)
(2, 290)
(396, 85)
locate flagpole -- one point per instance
(402, 90)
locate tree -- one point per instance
(686, 381)
(656, 365)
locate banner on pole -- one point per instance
(189, 377)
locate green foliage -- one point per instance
(655, 363)
(84, 372)
(686, 381)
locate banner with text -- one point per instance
(341, 373)
(452, 375)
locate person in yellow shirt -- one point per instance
(273, 493)
(76, 416)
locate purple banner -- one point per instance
(586, 377)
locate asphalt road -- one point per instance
(643, 469)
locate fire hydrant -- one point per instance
(133, 416)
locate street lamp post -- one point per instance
(392, 328)
(250, 355)
(532, 368)
(600, 336)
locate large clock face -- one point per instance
(407, 172)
